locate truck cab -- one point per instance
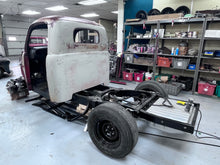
(74, 59)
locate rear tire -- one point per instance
(113, 130)
(1, 72)
(152, 86)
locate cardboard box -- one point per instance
(144, 61)
(212, 33)
(164, 16)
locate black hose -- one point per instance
(184, 140)
(204, 137)
(191, 141)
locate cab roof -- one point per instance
(55, 18)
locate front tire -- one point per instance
(113, 130)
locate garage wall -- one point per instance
(15, 26)
(197, 4)
(110, 29)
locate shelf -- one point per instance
(151, 54)
(167, 55)
(133, 38)
(214, 58)
(178, 56)
(216, 19)
(137, 64)
(169, 21)
(175, 68)
(175, 38)
(212, 38)
(213, 72)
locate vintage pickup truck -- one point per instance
(71, 73)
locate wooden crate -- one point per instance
(164, 16)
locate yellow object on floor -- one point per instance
(181, 102)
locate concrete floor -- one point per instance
(31, 136)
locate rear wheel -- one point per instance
(113, 130)
(152, 86)
(1, 72)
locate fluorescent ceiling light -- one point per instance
(115, 12)
(12, 38)
(3, 0)
(91, 2)
(30, 12)
(89, 15)
(56, 8)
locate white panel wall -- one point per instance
(15, 26)
(110, 29)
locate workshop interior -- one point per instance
(110, 82)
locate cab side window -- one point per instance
(86, 36)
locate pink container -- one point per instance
(127, 76)
(206, 88)
(138, 77)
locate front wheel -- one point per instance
(113, 130)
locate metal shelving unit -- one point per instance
(202, 39)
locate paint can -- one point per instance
(195, 34)
(183, 48)
(190, 34)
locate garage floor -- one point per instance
(32, 136)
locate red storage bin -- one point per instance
(206, 88)
(127, 76)
(163, 61)
(138, 77)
